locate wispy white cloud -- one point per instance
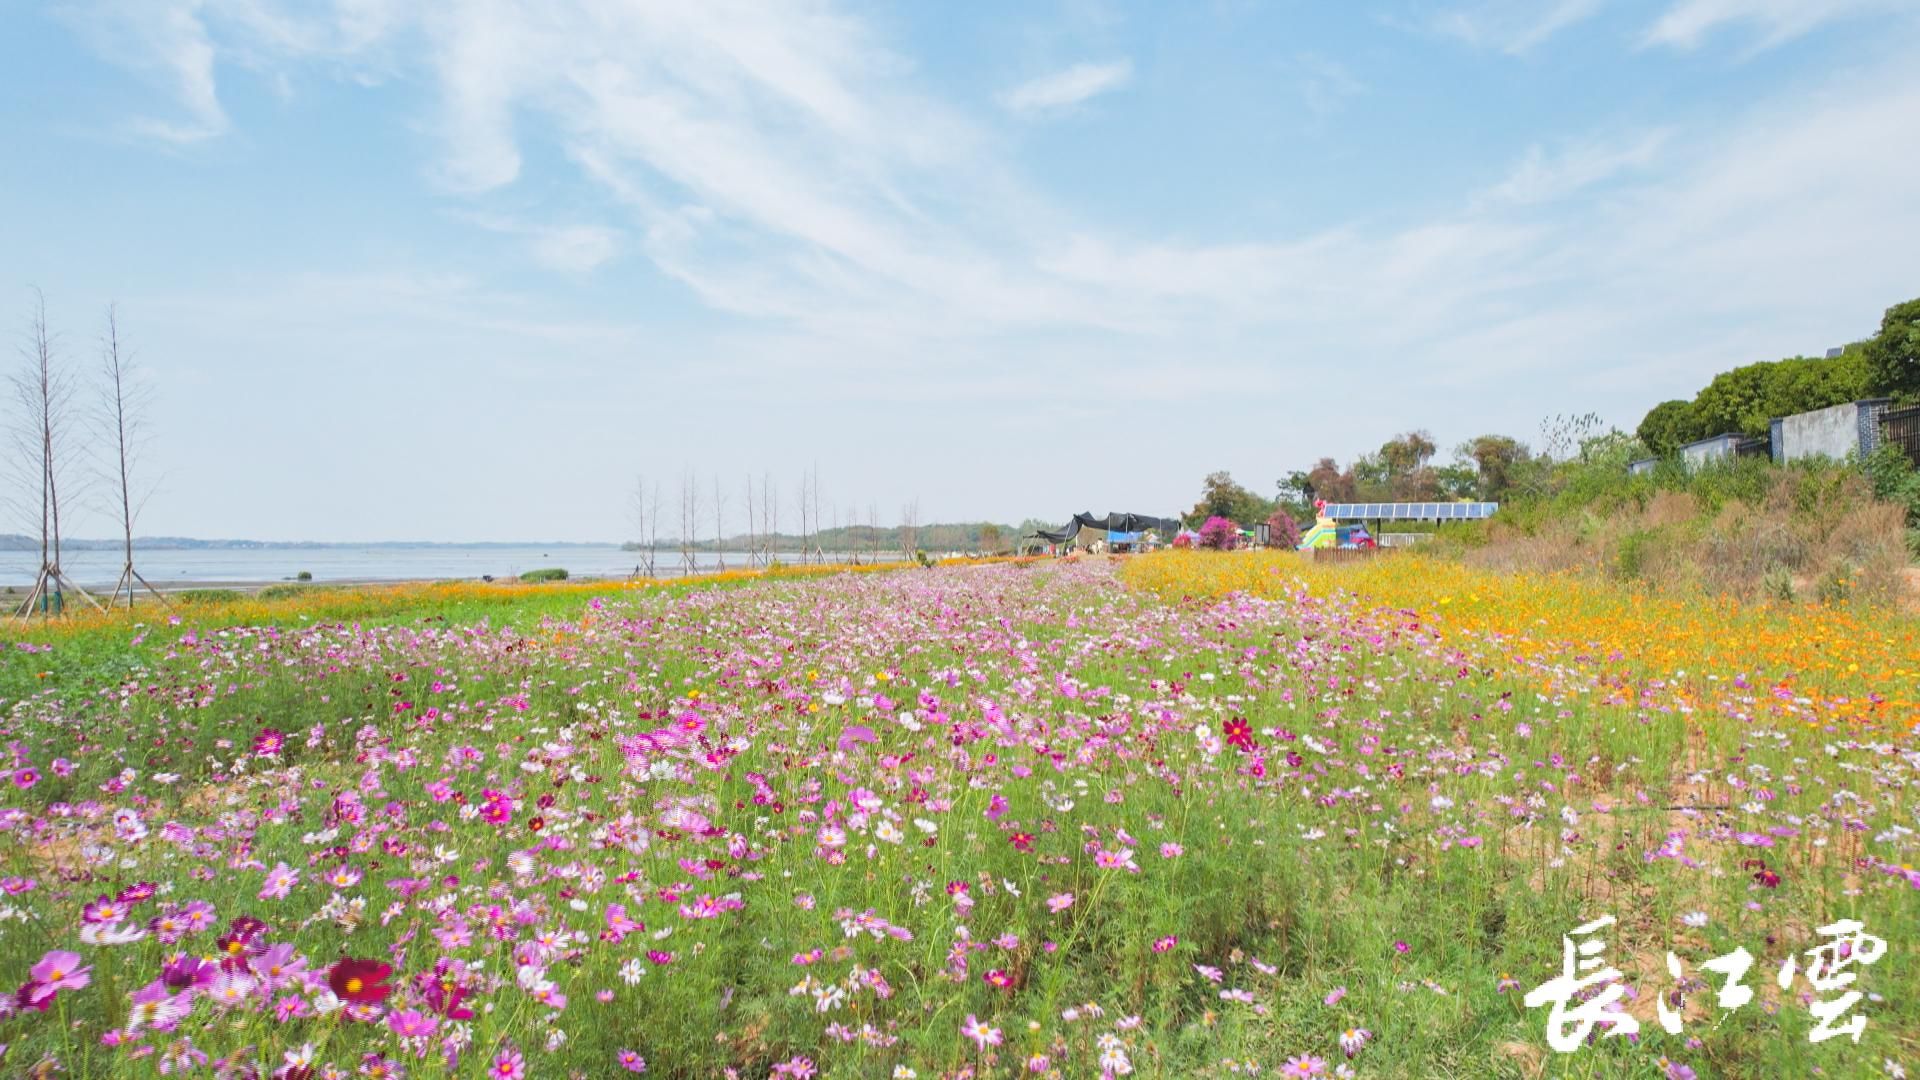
(1326, 84)
(167, 43)
(1687, 23)
(1512, 26)
(788, 169)
(1067, 88)
(1544, 175)
(576, 249)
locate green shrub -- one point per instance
(304, 575)
(551, 573)
(207, 596)
(1894, 480)
(1836, 586)
(1636, 547)
(281, 592)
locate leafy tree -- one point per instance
(1328, 481)
(1748, 398)
(1459, 480)
(1735, 401)
(1892, 356)
(1222, 496)
(1668, 426)
(1497, 461)
(1403, 467)
(1406, 453)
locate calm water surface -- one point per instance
(373, 562)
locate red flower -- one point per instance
(360, 982)
(1238, 732)
(1022, 841)
(998, 978)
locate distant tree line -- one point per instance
(1497, 468)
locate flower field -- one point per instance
(1206, 815)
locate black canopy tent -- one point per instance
(1125, 523)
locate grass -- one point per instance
(1201, 818)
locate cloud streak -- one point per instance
(1067, 88)
(1514, 27)
(1688, 23)
(846, 228)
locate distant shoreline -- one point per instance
(662, 572)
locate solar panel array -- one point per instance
(1430, 511)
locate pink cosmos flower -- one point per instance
(1304, 1067)
(508, 1065)
(631, 1061)
(58, 970)
(412, 1023)
(152, 1006)
(982, 1035)
(1059, 902)
(280, 881)
(854, 735)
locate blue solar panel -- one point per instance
(1453, 511)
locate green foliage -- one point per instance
(1748, 398)
(1668, 426)
(207, 596)
(304, 575)
(283, 591)
(1894, 480)
(1892, 357)
(1630, 562)
(551, 573)
(1221, 496)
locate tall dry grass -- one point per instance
(1809, 537)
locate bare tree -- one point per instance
(689, 520)
(809, 514)
(873, 532)
(719, 525)
(637, 503)
(820, 550)
(770, 515)
(653, 528)
(753, 545)
(45, 396)
(122, 422)
(910, 528)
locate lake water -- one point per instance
(374, 562)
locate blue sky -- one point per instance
(461, 270)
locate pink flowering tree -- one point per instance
(1282, 530)
(1219, 534)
